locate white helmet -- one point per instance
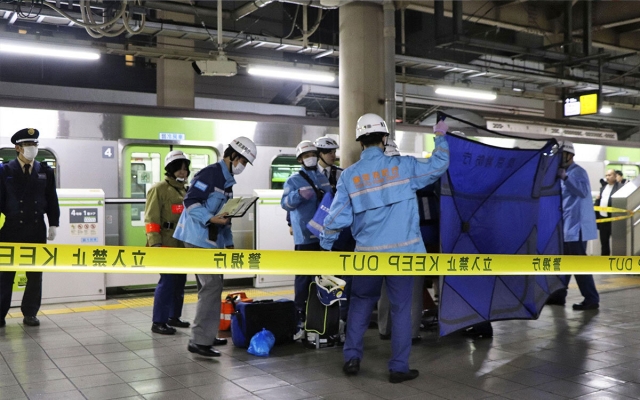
(304, 147)
(370, 123)
(175, 155)
(245, 147)
(326, 143)
(391, 149)
(567, 146)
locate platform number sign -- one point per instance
(107, 152)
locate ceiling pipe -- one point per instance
(518, 28)
(438, 18)
(568, 27)
(185, 9)
(251, 7)
(457, 18)
(389, 52)
(586, 28)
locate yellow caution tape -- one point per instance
(153, 260)
(613, 210)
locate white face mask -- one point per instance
(310, 162)
(30, 152)
(180, 179)
(237, 169)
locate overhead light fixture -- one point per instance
(606, 110)
(466, 93)
(49, 51)
(295, 74)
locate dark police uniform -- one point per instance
(24, 199)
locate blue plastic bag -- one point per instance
(261, 343)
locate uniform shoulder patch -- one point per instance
(200, 186)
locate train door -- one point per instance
(143, 166)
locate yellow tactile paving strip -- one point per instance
(148, 301)
(603, 283)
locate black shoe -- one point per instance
(384, 336)
(479, 332)
(206, 351)
(162, 329)
(31, 321)
(352, 367)
(583, 307)
(416, 340)
(2, 323)
(397, 377)
(552, 302)
(178, 323)
(219, 341)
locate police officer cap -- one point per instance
(25, 135)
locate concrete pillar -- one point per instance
(175, 78)
(361, 71)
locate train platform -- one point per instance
(106, 350)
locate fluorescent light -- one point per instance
(49, 51)
(466, 93)
(606, 110)
(291, 73)
(517, 89)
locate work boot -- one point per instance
(398, 377)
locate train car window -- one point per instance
(145, 171)
(9, 153)
(198, 161)
(282, 168)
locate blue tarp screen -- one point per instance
(498, 201)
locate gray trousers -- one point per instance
(384, 309)
(207, 320)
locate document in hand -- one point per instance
(238, 206)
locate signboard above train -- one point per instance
(578, 104)
(551, 130)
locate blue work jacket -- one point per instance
(210, 189)
(301, 210)
(376, 197)
(577, 206)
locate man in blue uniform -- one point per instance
(376, 197)
(28, 192)
(327, 148)
(302, 194)
(200, 226)
(579, 225)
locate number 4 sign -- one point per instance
(107, 152)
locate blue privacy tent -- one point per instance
(498, 201)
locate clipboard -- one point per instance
(238, 206)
